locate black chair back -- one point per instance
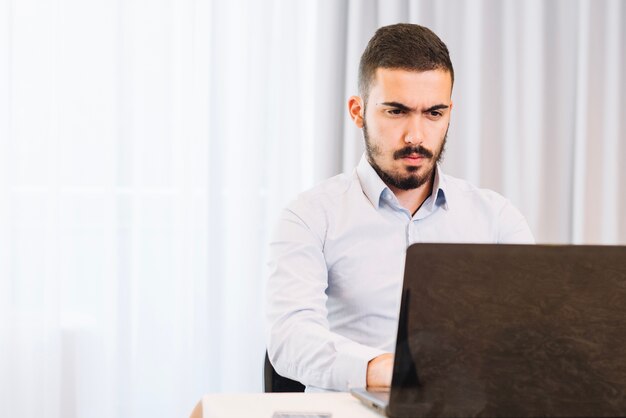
(277, 383)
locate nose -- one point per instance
(414, 133)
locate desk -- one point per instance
(263, 405)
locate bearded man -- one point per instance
(337, 254)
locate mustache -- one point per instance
(420, 150)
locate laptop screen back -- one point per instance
(511, 330)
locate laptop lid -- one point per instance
(511, 331)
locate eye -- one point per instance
(435, 114)
(395, 112)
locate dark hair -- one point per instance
(404, 46)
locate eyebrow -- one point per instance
(437, 107)
(400, 106)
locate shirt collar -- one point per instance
(439, 197)
(374, 187)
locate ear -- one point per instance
(355, 108)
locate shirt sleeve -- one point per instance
(300, 344)
(512, 226)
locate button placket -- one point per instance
(412, 232)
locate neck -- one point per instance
(413, 199)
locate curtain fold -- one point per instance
(146, 150)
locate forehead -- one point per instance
(411, 87)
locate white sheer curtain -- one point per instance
(104, 208)
(146, 148)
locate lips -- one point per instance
(413, 159)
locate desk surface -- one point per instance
(263, 405)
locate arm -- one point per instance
(512, 226)
(300, 343)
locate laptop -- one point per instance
(509, 331)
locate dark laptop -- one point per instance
(510, 331)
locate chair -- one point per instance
(277, 383)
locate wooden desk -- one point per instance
(263, 405)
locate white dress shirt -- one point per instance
(337, 262)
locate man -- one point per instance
(337, 256)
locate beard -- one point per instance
(413, 179)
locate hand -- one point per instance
(379, 371)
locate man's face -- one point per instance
(405, 124)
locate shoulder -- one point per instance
(468, 193)
(315, 208)
(326, 193)
(509, 225)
